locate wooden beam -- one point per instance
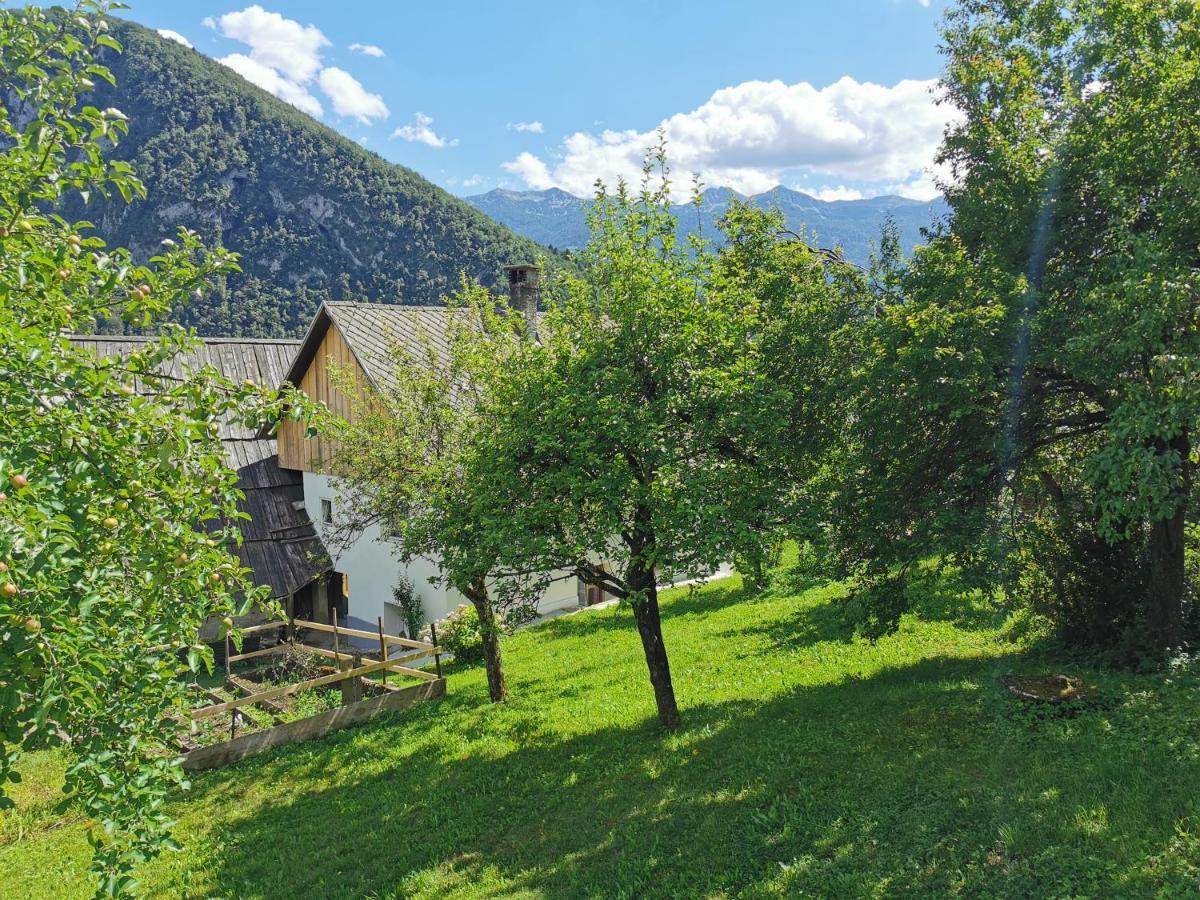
(266, 626)
(415, 673)
(370, 635)
(311, 727)
(266, 651)
(288, 689)
(394, 660)
(276, 709)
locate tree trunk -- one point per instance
(490, 634)
(650, 628)
(1167, 574)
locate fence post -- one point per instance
(383, 653)
(437, 657)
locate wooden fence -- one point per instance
(351, 665)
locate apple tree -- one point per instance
(116, 505)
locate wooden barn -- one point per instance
(280, 546)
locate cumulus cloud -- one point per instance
(349, 97)
(367, 50)
(841, 192)
(285, 58)
(534, 127)
(532, 171)
(174, 36)
(749, 135)
(278, 43)
(271, 81)
(421, 132)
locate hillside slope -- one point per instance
(557, 219)
(808, 765)
(313, 214)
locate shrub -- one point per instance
(411, 609)
(458, 633)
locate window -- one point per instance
(326, 510)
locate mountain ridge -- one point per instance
(556, 218)
(314, 215)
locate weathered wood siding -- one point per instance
(307, 454)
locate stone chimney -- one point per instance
(524, 289)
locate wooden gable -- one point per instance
(317, 381)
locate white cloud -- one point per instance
(367, 50)
(531, 170)
(422, 132)
(281, 44)
(534, 127)
(841, 192)
(747, 136)
(349, 97)
(473, 181)
(272, 82)
(174, 36)
(285, 58)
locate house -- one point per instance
(358, 339)
(280, 546)
(292, 503)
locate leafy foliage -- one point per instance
(316, 215)
(411, 610)
(460, 634)
(117, 508)
(625, 443)
(1033, 397)
(406, 455)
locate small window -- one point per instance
(326, 510)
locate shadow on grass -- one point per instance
(915, 781)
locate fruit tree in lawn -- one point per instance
(630, 430)
(1047, 351)
(116, 505)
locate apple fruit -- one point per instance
(10, 589)
(18, 480)
(110, 522)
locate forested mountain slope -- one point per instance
(313, 214)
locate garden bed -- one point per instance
(293, 692)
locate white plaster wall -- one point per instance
(372, 570)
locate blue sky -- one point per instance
(829, 97)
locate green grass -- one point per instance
(807, 765)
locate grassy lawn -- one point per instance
(807, 765)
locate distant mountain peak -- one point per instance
(557, 218)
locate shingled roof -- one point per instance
(279, 543)
(372, 331)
